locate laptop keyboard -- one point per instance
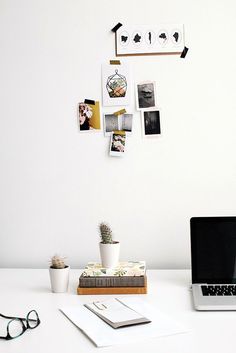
(217, 289)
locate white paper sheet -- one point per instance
(103, 335)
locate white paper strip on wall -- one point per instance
(150, 40)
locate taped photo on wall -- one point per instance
(117, 144)
(146, 95)
(116, 85)
(88, 116)
(151, 122)
(122, 122)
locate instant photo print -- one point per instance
(117, 145)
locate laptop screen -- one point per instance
(213, 249)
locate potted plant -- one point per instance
(109, 248)
(59, 274)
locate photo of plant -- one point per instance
(118, 143)
(116, 85)
(89, 117)
(117, 147)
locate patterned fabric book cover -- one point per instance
(126, 274)
(126, 268)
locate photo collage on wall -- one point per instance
(117, 86)
(117, 89)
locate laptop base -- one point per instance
(211, 303)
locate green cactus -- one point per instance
(105, 233)
(58, 262)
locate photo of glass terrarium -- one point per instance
(116, 85)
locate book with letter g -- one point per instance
(116, 314)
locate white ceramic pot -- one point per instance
(109, 254)
(59, 279)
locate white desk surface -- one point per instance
(24, 289)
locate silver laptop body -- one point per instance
(213, 262)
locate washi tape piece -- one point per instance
(89, 101)
(114, 62)
(119, 132)
(184, 53)
(114, 29)
(122, 111)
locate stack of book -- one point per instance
(127, 278)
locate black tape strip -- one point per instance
(89, 101)
(114, 29)
(184, 53)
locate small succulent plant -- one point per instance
(105, 233)
(58, 261)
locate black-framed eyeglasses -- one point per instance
(17, 325)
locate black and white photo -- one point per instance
(146, 95)
(126, 123)
(151, 122)
(123, 122)
(110, 124)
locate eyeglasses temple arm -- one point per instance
(13, 317)
(8, 317)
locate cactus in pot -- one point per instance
(58, 261)
(105, 233)
(59, 274)
(109, 248)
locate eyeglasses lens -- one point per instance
(33, 319)
(15, 328)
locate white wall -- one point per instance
(57, 185)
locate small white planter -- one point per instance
(59, 279)
(109, 254)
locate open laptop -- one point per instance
(213, 255)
